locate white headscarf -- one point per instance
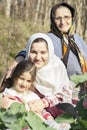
(51, 78)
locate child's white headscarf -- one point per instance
(51, 78)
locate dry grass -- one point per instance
(14, 34)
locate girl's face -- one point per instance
(63, 19)
(23, 83)
(39, 54)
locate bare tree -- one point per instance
(7, 8)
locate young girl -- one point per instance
(19, 87)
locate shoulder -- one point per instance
(53, 36)
(55, 40)
(81, 44)
(79, 41)
(9, 91)
(78, 38)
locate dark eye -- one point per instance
(67, 17)
(21, 78)
(32, 51)
(44, 52)
(29, 81)
(58, 18)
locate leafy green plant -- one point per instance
(16, 118)
(80, 120)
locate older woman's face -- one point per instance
(63, 19)
(39, 54)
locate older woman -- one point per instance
(68, 46)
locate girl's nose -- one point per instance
(24, 83)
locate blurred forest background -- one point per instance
(21, 18)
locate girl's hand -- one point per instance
(37, 105)
(6, 101)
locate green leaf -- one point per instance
(84, 123)
(17, 125)
(17, 108)
(77, 79)
(82, 112)
(65, 118)
(36, 123)
(8, 118)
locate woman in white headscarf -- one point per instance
(51, 79)
(52, 83)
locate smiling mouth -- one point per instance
(38, 62)
(22, 87)
(63, 26)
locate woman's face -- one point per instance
(23, 83)
(63, 19)
(39, 54)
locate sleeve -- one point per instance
(52, 100)
(46, 115)
(82, 45)
(55, 99)
(84, 48)
(21, 53)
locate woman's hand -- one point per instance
(37, 105)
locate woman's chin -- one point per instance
(64, 30)
(38, 66)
